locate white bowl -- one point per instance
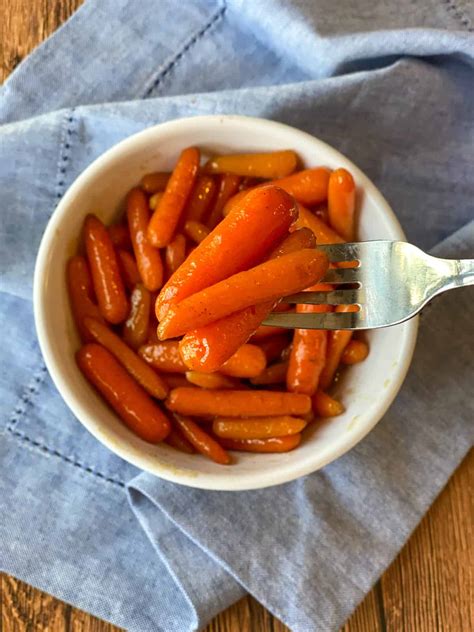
(367, 389)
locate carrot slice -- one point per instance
(309, 186)
(337, 342)
(268, 281)
(239, 242)
(308, 353)
(228, 186)
(341, 203)
(120, 236)
(211, 380)
(108, 284)
(323, 233)
(148, 258)
(166, 216)
(128, 269)
(135, 328)
(273, 444)
(154, 182)
(275, 164)
(326, 406)
(203, 442)
(207, 348)
(229, 403)
(355, 352)
(274, 374)
(129, 400)
(196, 231)
(81, 294)
(201, 199)
(175, 253)
(257, 428)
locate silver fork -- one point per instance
(394, 281)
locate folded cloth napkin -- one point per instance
(388, 84)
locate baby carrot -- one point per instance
(237, 243)
(326, 406)
(207, 348)
(196, 231)
(128, 269)
(120, 236)
(177, 440)
(341, 203)
(337, 342)
(356, 351)
(133, 405)
(108, 284)
(228, 186)
(166, 216)
(228, 403)
(138, 369)
(273, 346)
(247, 361)
(153, 182)
(135, 328)
(258, 428)
(273, 444)
(148, 258)
(175, 253)
(234, 201)
(309, 186)
(308, 352)
(274, 164)
(274, 374)
(201, 199)
(324, 234)
(268, 281)
(203, 442)
(163, 356)
(79, 285)
(211, 380)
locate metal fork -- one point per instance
(394, 280)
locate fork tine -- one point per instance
(341, 275)
(332, 320)
(337, 297)
(340, 252)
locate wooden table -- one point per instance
(427, 588)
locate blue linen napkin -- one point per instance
(391, 87)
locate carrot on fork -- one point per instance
(269, 165)
(237, 243)
(165, 219)
(266, 282)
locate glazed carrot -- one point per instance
(265, 331)
(207, 348)
(128, 269)
(211, 380)
(155, 200)
(257, 428)
(234, 201)
(129, 400)
(326, 406)
(120, 236)
(153, 182)
(166, 216)
(248, 183)
(174, 380)
(247, 361)
(337, 342)
(163, 356)
(148, 258)
(228, 403)
(341, 203)
(274, 374)
(135, 328)
(322, 213)
(323, 233)
(203, 442)
(309, 186)
(238, 243)
(275, 164)
(273, 346)
(308, 353)
(201, 199)
(79, 285)
(268, 281)
(273, 444)
(177, 440)
(108, 284)
(228, 186)
(138, 369)
(355, 352)
(196, 231)
(175, 253)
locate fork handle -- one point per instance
(461, 273)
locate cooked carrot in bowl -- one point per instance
(169, 303)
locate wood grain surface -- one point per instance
(428, 587)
